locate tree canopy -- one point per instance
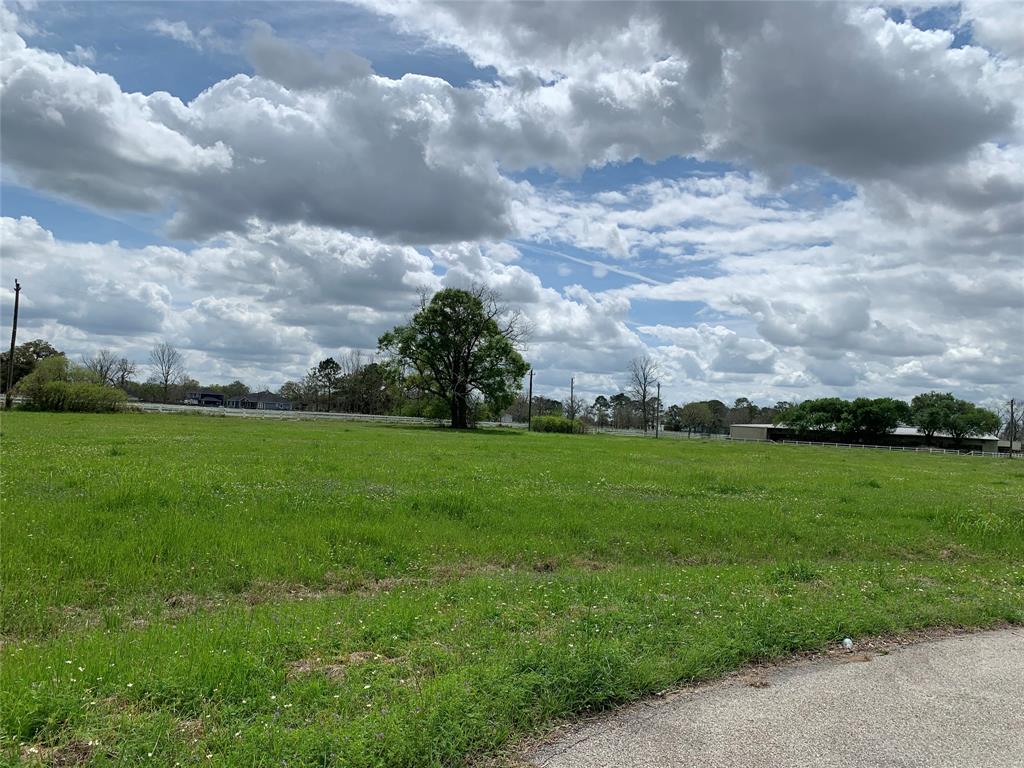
(459, 345)
(25, 358)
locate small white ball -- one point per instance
(847, 643)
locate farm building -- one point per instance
(207, 399)
(262, 401)
(907, 437)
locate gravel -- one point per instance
(957, 701)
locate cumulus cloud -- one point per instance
(368, 153)
(270, 301)
(103, 291)
(323, 140)
(71, 130)
(995, 24)
(865, 237)
(831, 85)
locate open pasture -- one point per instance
(187, 590)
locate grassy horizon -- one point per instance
(213, 591)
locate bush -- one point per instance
(556, 424)
(81, 397)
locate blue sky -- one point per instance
(796, 218)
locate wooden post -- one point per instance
(8, 395)
(1013, 426)
(529, 405)
(657, 413)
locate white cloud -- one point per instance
(868, 239)
(997, 24)
(175, 30)
(369, 156)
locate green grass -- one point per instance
(191, 590)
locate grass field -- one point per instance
(200, 591)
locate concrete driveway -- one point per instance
(952, 702)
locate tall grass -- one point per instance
(190, 587)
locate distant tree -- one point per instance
(368, 388)
(148, 391)
(168, 367)
(574, 407)
(744, 411)
(932, 412)
(1011, 430)
(518, 410)
(124, 372)
(328, 374)
(292, 391)
(353, 362)
(643, 380)
(25, 358)
(825, 414)
(600, 410)
(622, 410)
(104, 365)
(673, 420)
(546, 406)
(719, 415)
(235, 389)
(696, 417)
(968, 420)
(458, 344)
(873, 418)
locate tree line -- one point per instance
(459, 357)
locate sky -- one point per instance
(777, 201)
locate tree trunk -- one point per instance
(459, 412)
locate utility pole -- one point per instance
(14, 336)
(572, 399)
(529, 405)
(657, 413)
(1013, 426)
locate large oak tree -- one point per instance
(458, 344)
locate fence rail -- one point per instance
(250, 413)
(855, 446)
(258, 413)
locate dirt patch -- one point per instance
(184, 601)
(336, 668)
(756, 679)
(193, 729)
(73, 753)
(587, 564)
(856, 657)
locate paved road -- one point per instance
(946, 703)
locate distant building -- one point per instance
(205, 399)
(905, 437)
(261, 401)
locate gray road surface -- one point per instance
(946, 703)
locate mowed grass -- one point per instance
(190, 590)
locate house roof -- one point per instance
(262, 397)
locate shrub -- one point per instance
(556, 424)
(81, 397)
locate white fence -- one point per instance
(855, 446)
(258, 413)
(249, 413)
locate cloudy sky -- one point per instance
(773, 200)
